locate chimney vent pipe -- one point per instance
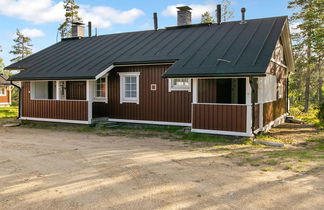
(243, 10)
(155, 18)
(184, 15)
(89, 29)
(219, 14)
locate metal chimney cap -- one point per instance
(186, 8)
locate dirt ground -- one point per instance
(47, 169)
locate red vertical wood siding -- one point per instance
(5, 99)
(52, 109)
(219, 117)
(159, 105)
(273, 110)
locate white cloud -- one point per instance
(104, 17)
(45, 11)
(197, 10)
(32, 33)
(35, 11)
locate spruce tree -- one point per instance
(22, 47)
(71, 15)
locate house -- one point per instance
(5, 91)
(226, 78)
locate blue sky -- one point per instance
(39, 19)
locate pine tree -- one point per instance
(1, 62)
(71, 15)
(310, 38)
(207, 18)
(22, 47)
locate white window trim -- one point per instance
(5, 92)
(104, 98)
(122, 76)
(181, 88)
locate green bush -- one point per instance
(320, 114)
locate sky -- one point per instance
(39, 19)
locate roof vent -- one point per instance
(184, 15)
(243, 10)
(155, 18)
(219, 14)
(77, 30)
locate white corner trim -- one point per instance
(150, 122)
(194, 91)
(55, 120)
(101, 74)
(218, 132)
(248, 100)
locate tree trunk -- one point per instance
(307, 81)
(320, 83)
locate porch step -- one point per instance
(103, 122)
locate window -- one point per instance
(180, 84)
(39, 90)
(129, 87)
(101, 87)
(3, 92)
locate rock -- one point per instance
(11, 125)
(268, 143)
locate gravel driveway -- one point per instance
(46, 169)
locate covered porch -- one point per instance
(57, 101)
(225, 106)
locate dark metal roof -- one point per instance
(201, 50)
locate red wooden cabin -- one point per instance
(225, 78)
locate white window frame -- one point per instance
(124, 99)
(173, 87)
(5, 91)
(102, 98)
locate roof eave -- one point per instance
(213, 75)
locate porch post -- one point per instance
(261, 100)
(248, 107)
(194, 91)
(58, 95)
(89, 99)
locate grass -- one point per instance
(8, 112)
(174, 133)
(297, 159)
(310, 117)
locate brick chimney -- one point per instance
(77, 30)
(184, 15)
